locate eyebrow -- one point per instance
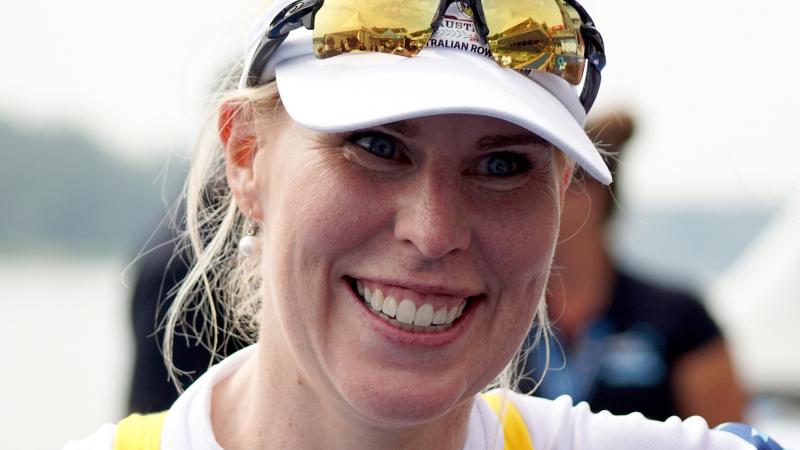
(508, 140)
(405, 128)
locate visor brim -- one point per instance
(360, 90)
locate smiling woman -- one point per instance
(420, 220)
(396, 217)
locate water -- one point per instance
(65, 348)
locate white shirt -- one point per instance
(552, 424)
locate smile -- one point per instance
(419, 314)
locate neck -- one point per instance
(579, 290)
(259, 408)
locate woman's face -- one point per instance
(453, 217)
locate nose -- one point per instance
(433, 217)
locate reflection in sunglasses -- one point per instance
(537, 35)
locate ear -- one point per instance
(239, 140)
(567, 173)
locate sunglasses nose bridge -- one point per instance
(479, 18)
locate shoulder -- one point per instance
(103, 439)
(558, 424)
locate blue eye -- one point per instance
(504, 164)
(499, 167)
(379, 145)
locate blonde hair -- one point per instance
(218, 300)
(220, 297)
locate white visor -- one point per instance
(359, 90)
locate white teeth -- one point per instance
(360, 287)
(377, 300)
(406, 312)
(424, 316)
(440, 316)
(389, 306)
(451, 314)
(406, 315)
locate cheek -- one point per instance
(317, 211)
(522, 243)
(522, 240)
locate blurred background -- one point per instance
(101, 100)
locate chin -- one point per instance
(404, 405)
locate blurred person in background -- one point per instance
(628, 344)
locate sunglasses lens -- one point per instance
(542, 35)
(399, 27)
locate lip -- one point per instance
(406, 338)
(425, 289)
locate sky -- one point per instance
(710, 81)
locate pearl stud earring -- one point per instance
(249, 244)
